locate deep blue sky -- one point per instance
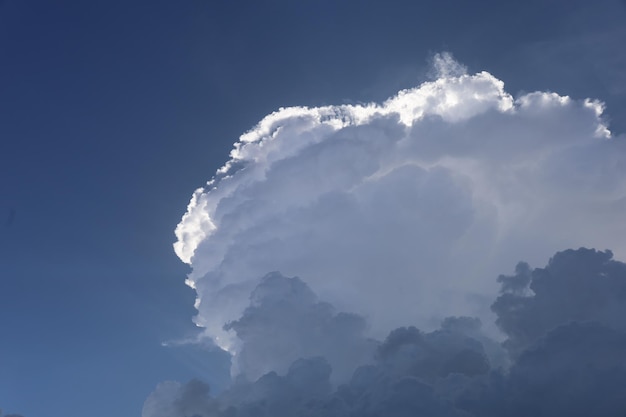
(112, 113)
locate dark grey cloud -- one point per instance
(409, 352)
(194, 399)
(576, 285)
(577, 369)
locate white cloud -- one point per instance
(405, 211)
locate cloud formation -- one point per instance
(416, 202)
(573, 365)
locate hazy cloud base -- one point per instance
(565, 360)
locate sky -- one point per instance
(422, 136)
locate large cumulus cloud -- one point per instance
(414, 203)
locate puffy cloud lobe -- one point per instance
(285, 322)
(408, 352)
(416, 202)
(576, 285)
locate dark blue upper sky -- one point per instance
(112, 113)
